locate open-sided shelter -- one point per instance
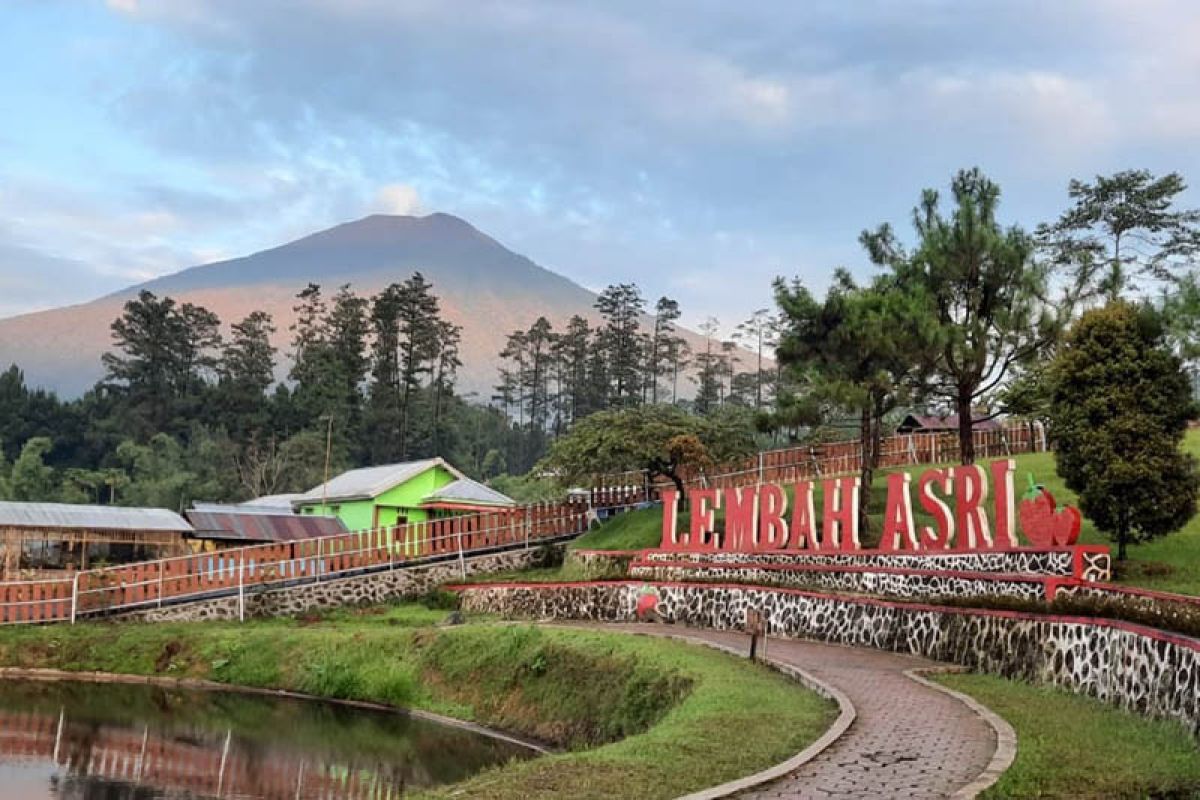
(53, 536)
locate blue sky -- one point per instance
(697, 147)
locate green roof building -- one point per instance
(395, 494)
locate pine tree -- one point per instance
(624, 343)
(982, 287)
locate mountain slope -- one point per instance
(483, 286)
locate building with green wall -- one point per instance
(395, 494)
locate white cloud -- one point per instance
(397, 198)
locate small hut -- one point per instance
(41, 537)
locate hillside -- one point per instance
(483, 286)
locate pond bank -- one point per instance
(636, 715)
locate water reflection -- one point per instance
(82, 741)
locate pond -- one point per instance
(99, 741)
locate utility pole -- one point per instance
(328, 447)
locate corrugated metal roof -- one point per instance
(108, 518)
(469, 491)
(242, 508)
(273, 501)
(369, 482)
(230, 522)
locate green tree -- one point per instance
(660, 439)
(1181, 313)
(1119, 410)
(756, 333)
(661, 345)
(165, 357)
(867, 344)
(408, 332)
(30, 479)
(985, 293)
(1122, 227)
(247, 370)
(623, 342)
(709, 368)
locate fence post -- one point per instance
(74, 596)
(162, 565)
(317, 563)
(241, 587)
(462, 561)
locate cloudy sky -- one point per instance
(697, 147)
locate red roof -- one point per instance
(250, 526)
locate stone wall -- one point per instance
(599, 564)
(905, 584)
(367, 589)
(1085, 562)
(1133, 667)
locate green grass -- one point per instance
(642, 716)
(1171, 563)
(633, 530)
(1070, 746)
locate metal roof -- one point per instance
(231, 522)
(107, 518)
(466, 490)
(370, 482)
(273, 501)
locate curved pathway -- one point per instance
(907, 741)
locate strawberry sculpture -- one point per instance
(1043, 522)
(647, 603)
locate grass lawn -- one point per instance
(1171, 563)
(639, 715)
(1076, 747)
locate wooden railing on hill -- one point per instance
(811, 462)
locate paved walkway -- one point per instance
(908, 741)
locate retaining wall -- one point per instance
(1085, 562)
(905, 584)
(372, 588)
(1130, 666)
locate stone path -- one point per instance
(908, 741)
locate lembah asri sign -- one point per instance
(757, 517)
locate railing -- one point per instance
(236, 571)
(812, 462)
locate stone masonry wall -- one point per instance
(1133, 667)
(376, 587)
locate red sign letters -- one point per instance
(757, 518)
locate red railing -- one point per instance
(809, 462)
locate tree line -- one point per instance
(186, 412)
(633, 356)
